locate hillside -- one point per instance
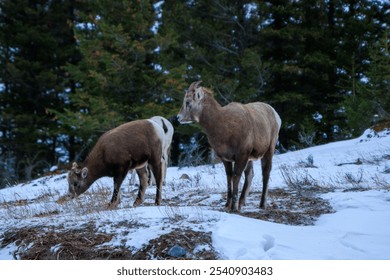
(325, 202)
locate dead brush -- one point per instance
(374, 159)
(354, 179)
(381, 182)
(386, 170)
(20, 208)
(297, 179)
(308, 163)
(173, 213)
(93, 201)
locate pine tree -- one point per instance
(36, 43)
(213, 41)
(362, 59)
(116, 80)
(371, 103)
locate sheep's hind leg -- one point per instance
(266, 166)
(143, 183)
(247, 184)
(239, 167)
(158, 175)
(229, 172)
(159, 182)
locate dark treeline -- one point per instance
(70, 70)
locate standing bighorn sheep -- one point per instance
(132, 145)
(238, 133)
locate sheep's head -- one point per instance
(77, 180)
(192, 104)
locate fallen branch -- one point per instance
(357, 162)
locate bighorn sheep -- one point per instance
(132, 145)
(238, 133)
(168, 134)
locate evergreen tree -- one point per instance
(35, 43)
(371, 103)
(216, 42)
(71, 70)
(117, 79)
(362, 56)
(298, 41)
(295, 55)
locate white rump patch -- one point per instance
(277, 117)
(160, 133)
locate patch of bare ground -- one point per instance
(198, 246)
(290, 208)
(39, 243)
(87, 243)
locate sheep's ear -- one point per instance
(199, 94)
(84, 173)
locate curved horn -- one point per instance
(194, 85)
(74, 166)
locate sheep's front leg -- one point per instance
(115, 200)
(143, 183)
(229, 172)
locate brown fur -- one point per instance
(128, 146)
(239, 134)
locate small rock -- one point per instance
(185, 177)
(177, 251)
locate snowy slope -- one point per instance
(351, 177)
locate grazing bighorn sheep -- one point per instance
(168, 134)
(238, 133)
(132, 145)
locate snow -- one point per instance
(353, 232)
(357, 229)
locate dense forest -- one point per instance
(72, 69)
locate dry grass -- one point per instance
(286, 207)
(39, 243)
(188, 239)
(87, 243)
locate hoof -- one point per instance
(112, 205)
(228, 205)
(234, 211)
(137, 203)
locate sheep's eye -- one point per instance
(188, 105)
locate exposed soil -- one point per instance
(290, 208)
(87, 243)
(197, 244)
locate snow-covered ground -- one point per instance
(352, 177)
